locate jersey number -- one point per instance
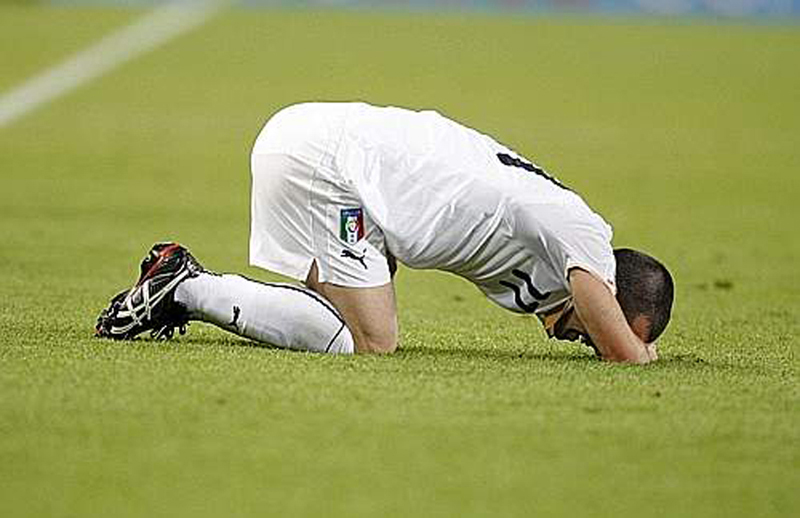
(513, 161)
(538, 296)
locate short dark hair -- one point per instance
(644, 288)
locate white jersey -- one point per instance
(450, 198)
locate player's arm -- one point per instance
(604, 321)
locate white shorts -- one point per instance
(304, 211)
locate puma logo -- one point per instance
(359, 258)
(234, 323)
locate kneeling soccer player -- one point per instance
(341, 191)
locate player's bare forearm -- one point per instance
(604, 321)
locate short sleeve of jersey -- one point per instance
(574, 237)
(593, 256)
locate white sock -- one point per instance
(279, 314)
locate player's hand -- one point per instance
(652, 351)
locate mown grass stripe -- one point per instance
(155, 28)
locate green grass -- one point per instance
(684, 135)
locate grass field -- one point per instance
(685, 135)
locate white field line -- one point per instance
(148, 32)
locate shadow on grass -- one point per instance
(568, 356)
(413, 352)
(572, 357)
(421, 352)
(494, 354)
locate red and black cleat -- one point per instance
(150, 304)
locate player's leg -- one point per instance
(370, 313)
(300, 210)
(307, 223)
(173, 288)
(284, 315)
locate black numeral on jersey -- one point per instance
(513, 161)
(538, 296)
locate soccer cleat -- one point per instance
(150, 304)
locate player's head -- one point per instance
(644, 291)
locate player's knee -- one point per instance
(376, 345)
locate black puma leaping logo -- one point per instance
(234, 323)
(359, 258)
